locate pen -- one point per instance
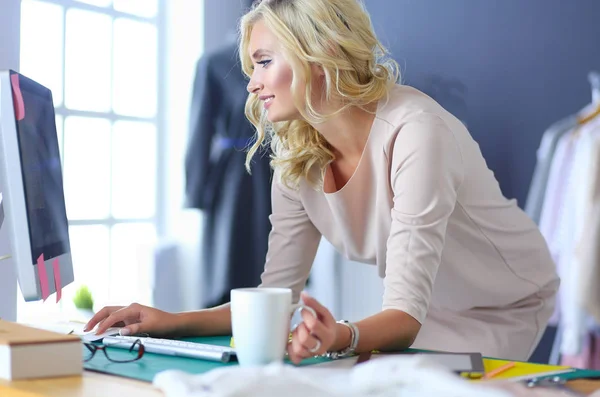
(499, 370)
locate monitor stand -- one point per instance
(8, 273)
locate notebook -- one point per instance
(523, 370)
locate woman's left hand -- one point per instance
(314, 336)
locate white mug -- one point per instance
(260, 321)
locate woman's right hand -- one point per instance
(135, 319)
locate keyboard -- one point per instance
(174, 347)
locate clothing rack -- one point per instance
(594, 81)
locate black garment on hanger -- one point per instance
(236, 205)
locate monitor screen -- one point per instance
(41, 171)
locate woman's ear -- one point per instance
(317, 70)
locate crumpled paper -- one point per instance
(413, 376)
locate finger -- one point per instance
(132, 329)
(100, 324)
(310, 320)
(309, 341)
(297, 351)
(308, 316)
(115, 317)
(291, 355)
(118, 324)
(303, 342)
(316, 327)
(101, 315)
(322, 311)
(294, 347)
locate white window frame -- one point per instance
(27, 311)
(158, 120)
(180, 43)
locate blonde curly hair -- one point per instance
(338, 36)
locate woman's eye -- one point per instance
(264, 63)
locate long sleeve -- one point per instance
(541, 173)
(293, 242)
(203, 113)
(426, 173)
(423, 209)
(588, 250)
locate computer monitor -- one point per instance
(31, 189)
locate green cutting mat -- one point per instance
(151, 364)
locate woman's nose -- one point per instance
(254, 87)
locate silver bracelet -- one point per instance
(353, 342)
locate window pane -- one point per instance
(42, 45)
(90, 253)
(143, 8)
(87, 167)
(100, 3)
(88, 60)
(133, 170)
(131, 262)
(59, 135)
(135, 63)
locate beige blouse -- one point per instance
(425, 209)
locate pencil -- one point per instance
(499, 370)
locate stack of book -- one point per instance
(28, 352)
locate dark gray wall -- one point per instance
(508, 68)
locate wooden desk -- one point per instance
(92, 384)
(584, 386)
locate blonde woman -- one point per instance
(391, 179)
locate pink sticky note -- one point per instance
(57, 283)
(17, 97)
(43, 277)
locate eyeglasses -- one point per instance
(134, 353)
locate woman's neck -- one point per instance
(348, 131)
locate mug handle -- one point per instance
(298, 307)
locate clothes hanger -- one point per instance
(594, 79)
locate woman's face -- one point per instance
(272, 75)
